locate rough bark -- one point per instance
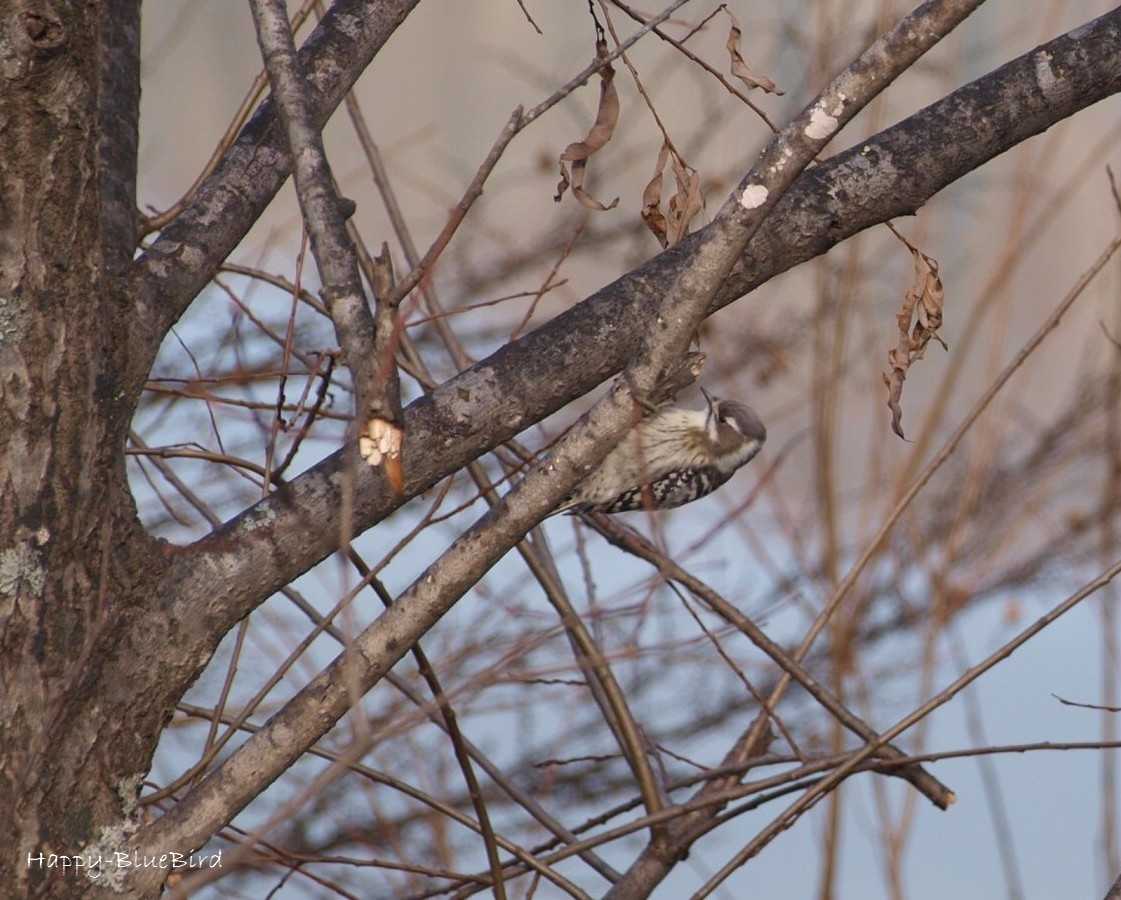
(74, 561)
(188, 252)
(318, 707)
(324, 211)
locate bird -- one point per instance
(674, 457)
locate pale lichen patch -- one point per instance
(781, 161)
(10, 320)
(349, 25)
(821, 126)
(476, 389)
(259, 518)
(21, 571)
(753, 196)
(101, 853)
(1045, 76)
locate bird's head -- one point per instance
(735, 430)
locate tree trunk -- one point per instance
(75, 564)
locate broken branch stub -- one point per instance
(380, 433)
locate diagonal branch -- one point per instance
(315, 710)
(819, 790)
(807, 800)
(884, 177)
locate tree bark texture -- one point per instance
(75, 565)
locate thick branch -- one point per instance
(228, 574)
(889, 175)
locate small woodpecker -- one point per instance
(676, 456)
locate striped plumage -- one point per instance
(674, 457)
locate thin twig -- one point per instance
(459, 744)
(839, 774)
(944, 454)
(529, 18)
(518, 120)
(633, 543)
(811, 797)
(715, 73)
(158, 220)
(1098, 706)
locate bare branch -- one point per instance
(326, 699)
(1098, 706)
(377, 407)
(680, 45)
(634, 543)
(525, 381)
(190, 249)
(518, 120)
(819, 790)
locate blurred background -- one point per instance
(1024, 512)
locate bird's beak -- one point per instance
(710, 418)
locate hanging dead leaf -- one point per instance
(652, 200)
(740, 69)
(578, 153)
(922, 305)
(686, 202)
(683, 206)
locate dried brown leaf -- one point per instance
(577, 153)
(652, 200)
(686, 202)
(740, 69)
(683, 206)
(922, 306)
